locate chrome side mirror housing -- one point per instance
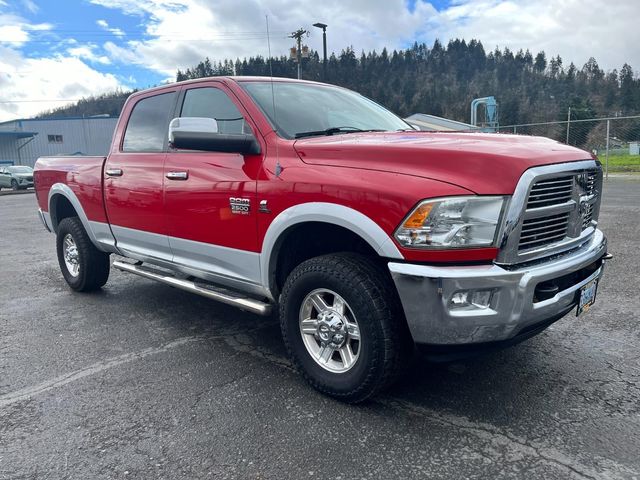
(199, 133)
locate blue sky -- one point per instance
(76, 19)
(52, 51)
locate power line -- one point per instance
(120, 34)
(43, 100)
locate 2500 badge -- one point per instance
(240, 206)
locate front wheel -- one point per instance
(343, 326)
(14, 185)
(83, 266)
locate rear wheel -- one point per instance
(14, 185)
(343, 326)
(84, 267)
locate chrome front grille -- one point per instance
(587, 216)
(558, 207)
(587, 182)
(537, 232)
(554, 208)
(550, 192)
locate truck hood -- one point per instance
(484, 163)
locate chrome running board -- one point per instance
(226, 296)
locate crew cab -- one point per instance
(367, 237)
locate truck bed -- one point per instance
(83, 175)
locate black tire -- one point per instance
(385, 345)
(14, 185)
(93, 264)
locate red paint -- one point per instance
(83, 175)
(199, 208)
(382, 175)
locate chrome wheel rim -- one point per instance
(330, 331)
(70, 254)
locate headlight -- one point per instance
(454, 222)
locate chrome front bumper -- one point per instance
(426, 291)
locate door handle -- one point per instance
(177, 175)
(113, 172)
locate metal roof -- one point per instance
(18, 134)
(437, 124)
(93, 117)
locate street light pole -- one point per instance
(324, 48)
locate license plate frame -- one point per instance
(587, 296)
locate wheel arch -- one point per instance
(354, 225)
(64, 203)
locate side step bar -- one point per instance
(244, 303)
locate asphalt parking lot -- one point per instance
(144, 381)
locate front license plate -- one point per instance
(587, 296)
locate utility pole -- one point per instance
(323, 26)
(298, 34)
(606, 164)
(568, 123)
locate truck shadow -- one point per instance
(498, 382)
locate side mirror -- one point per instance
(197, 133)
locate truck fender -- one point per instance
(333, 213)
(99, 233)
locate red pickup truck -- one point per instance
(366, 236)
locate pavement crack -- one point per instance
(492, 434)
(98, 367)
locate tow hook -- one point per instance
(607, 256)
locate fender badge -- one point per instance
(264, 207)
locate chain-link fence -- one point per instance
(615, 140)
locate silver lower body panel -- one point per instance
(426, 292)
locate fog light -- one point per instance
(460, 298)
(482, 298)
(471, 299)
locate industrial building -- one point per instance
(23, 141)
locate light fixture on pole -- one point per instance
(323, 26)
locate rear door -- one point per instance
(210, 197)
(134, 178)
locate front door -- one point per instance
(210, 197)
(134, 179)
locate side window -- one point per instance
(214, 103)
(148, 124)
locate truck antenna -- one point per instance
(273, 101)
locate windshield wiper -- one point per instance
(334, 130)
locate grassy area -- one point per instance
(621, 162)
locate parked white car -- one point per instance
(16, 177)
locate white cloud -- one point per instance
(31, 85)
(15, 30)
(181, 33)
(31, 6)
(576, 30)
(88, 52)
(105, 25)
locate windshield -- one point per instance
(19, 169)
(304, 109)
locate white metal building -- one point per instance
(23, 141)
